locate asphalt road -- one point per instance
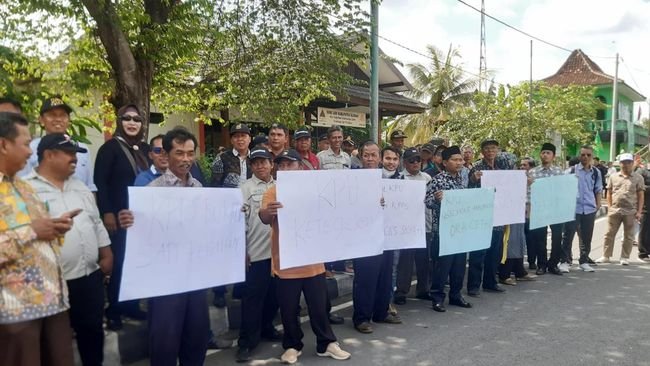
(598, 318)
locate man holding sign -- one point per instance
(179, 324)
(452, 266)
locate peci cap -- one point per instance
(625, 157)
(54, 102)
(240, 128)
(302, 132)
(58, 141)
(397, 134)
(489, 142)
(548, 146)
(451, 150)
(290, 154)
(410, 153)
(260, 152)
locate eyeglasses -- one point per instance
(156, 150)
(136, 119)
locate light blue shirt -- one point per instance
(83, 172)
(588, 187)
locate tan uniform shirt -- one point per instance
(624, 190)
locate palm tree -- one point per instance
(443, 87)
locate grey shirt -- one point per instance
(258, 234)
(329, 160)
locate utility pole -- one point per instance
(482, 85)
(612, 136)
(374, 71)
(530, 93)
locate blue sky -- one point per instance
(599, 27)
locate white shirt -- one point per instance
(243, 168)
(428, 214)
(258, 234)
(83, 172)
(80, 250)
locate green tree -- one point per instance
(443, 86)
(506, 117)
(268, 58)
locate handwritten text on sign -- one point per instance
(183, 239)
(404, 214)
(510, 196)
(329, 215)
(466, 220)
(553, 200)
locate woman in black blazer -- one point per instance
(118, 162)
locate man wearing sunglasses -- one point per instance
(55, 118)
(159, 166)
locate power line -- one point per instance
(524, 32)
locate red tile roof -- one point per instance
(579, 69)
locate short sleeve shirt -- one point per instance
(258, 235)
(624, 190)
(329, 160)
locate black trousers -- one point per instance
(86, 296)
(116, 308)
(557, 254)
(450, 267)
(530, 243)
(372, 287)
(644, 234)
(511, 265)
(405, 271)
(178, 329)
(259, 304)
(584, 225)
(314, 290)
(483, 264)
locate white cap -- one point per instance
(626, 157)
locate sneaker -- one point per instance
(364, 328)
(602, 260)
(624, 262)
(527, 277)
(508, 281)
(644, 259)
(334, 351)
(391, 319)
(564, 267)
(290, 356)
(585, 267)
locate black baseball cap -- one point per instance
(58, 141)
(290, 154)
(260, 139)
(240, 128)
(411, 153)
(260, 152)
(322, 137)
(301, 133)
(54, 102)
(428, 147)
(397, 134)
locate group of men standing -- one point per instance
(42, 258)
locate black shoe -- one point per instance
(540, 271)
(114, 324)
(474, 293)
(460, 302)
(554, 270)
(219, 301)
(423, 296)
(243, 355)
(399, 300)
(439, 308)
(336, 319)
(532, 266)
(273, 335)
(591, 262)
(495, 289)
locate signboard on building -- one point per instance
(342, 117)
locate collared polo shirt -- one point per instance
(258, 234)
(427, 211)
(83, 172)
(328, 160)
(31, 281)
(80, 252)
(624, 190)
(147, 176)
(588, 187)
(289, 273)
(243, 167)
